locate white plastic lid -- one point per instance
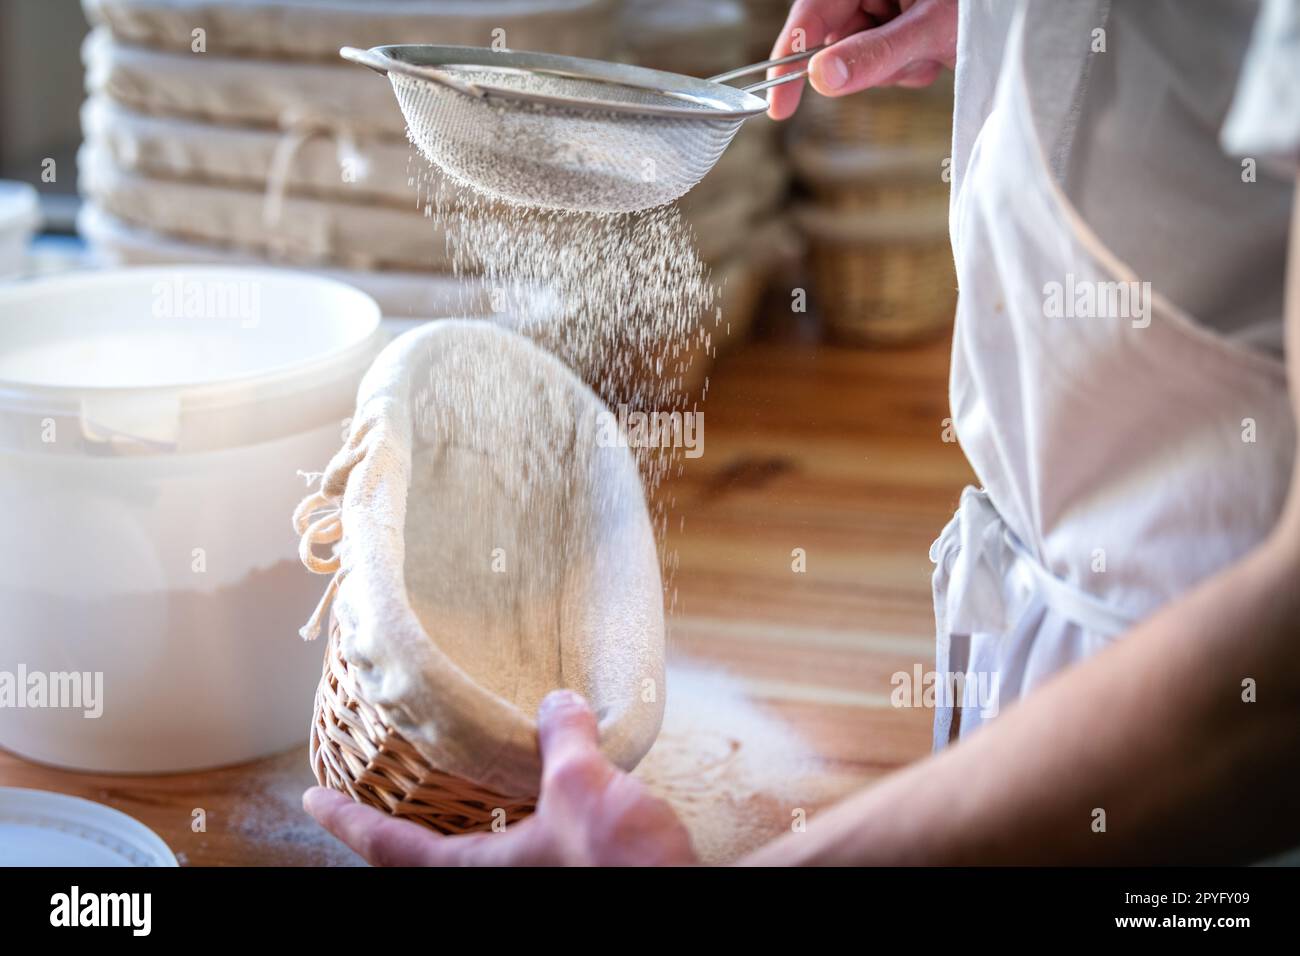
(20, 208)
(38, 828)
(179, 358)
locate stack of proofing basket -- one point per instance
(230, 131)
(876, 221)
(738, 211)
(763, 22)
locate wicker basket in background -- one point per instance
(884, 281)
(873, 167)
(353, 749)
(871, 179)
(763, 22)
(888, 116)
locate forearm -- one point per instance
(1153, 731)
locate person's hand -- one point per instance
(875, 43)
(589, 813)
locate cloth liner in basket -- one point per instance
(307, 230)
(315, 29)
(306, 161)
(238, 90)
(490, 544)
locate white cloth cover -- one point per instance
(401, 295)
(315, 29)
(310, 161)
(330, 95)
(493, 547)
(1126, 453)
(305, 231)
(309, 231)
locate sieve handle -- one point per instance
(766, 65)
(386, 64)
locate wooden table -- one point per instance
(834, 451)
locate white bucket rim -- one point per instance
(247, 387)
(20, 207)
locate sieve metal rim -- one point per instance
(422, 62)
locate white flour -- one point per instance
(737, 776)
(267, 812)
(628, 305)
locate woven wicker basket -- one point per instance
(879, 256)
(887, 116)
(871, 179)
(294, 30)
(355, 750)
(878, 283)
(431, 677)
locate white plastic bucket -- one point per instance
(152, 422)
(20, 217)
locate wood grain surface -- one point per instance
(838, 452)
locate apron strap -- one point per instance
(985, 579)
(985, 576)
(1072, 603)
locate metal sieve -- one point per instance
(565, 132)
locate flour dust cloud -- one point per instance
(622, 298)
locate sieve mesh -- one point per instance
(561, 157)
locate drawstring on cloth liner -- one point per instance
(318, 520)
(298, 131)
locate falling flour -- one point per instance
(622, 299)
(625, 301)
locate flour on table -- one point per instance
(734, 773)
(268, 812)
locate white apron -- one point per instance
(1124, 457)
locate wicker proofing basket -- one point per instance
(889, 116)
(424, 708)
(879, 281)
(355, 750)
(871, 179)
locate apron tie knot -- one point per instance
(985, 577)
(972, 559)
